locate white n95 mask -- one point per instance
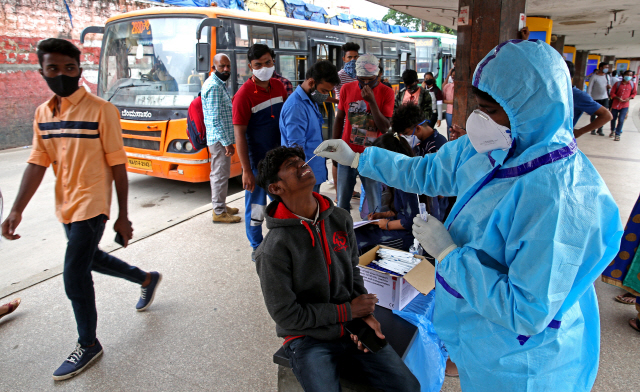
(412, 140)
(487, 135)
(264, 73)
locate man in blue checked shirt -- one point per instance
(301, 121)
(216, 107)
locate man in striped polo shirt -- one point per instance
(79, 135)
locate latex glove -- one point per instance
(339, 151)
(433, 236)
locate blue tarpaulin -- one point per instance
(314, 13)
(290, 6)
(231, 4)
(299, 9)
(331, 20)
(344, 18)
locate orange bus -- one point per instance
(153, 63)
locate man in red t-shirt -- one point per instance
(256, 125)
(367, 106)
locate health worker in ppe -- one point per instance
(532, 228)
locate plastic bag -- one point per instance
(427, 356)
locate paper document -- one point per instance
(362, 223)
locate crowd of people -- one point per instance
(515, 261)
(606, 100)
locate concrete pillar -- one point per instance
(559, 44)
(581, 67)
(492, 22)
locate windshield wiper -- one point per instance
(127, 86)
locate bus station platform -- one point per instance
(208, 329)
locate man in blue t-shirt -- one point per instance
(582, 102)
(300, 119)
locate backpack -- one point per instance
(196, 130)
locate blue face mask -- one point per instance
(350, 68)
(627, 78)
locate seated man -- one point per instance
(308, 269)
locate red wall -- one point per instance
(22, 24)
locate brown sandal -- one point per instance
(13, 305)
(627, 299)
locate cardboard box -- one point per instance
(396, 292)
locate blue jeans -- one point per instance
(255, 204)
(449, 118)
(82, 257)
(317, 365)
(346, 182)
(618, 115)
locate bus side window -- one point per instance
(247, 35)
(242, 69)
(373, 47)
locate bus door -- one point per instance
(406, 61)
(446, 59)
(326, 45)
(292, 57)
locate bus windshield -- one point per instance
(150, 62)
(426, 56)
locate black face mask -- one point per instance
(372, 83)
(430, 82)
(413, 88)
(63, 85)
(223, 75)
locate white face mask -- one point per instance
(412, 140)
(264, 73)
(487, 135)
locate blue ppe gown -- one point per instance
(535, 226)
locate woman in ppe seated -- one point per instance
(532, 228)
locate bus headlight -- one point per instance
(181, 146)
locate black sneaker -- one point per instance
(77, 361)
(593, 132)
(600, 132)
(148, 293)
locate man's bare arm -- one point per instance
(248, 179)
(122, 224)
(31, 180)
(338, 124)
(603, 116)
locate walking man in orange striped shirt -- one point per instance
(79, 135)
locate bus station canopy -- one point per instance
(609, 28)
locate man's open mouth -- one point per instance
(304, 173)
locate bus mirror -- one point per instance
(91, 30)
(203, 57)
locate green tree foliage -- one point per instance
(402, 19)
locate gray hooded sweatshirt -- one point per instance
(308, 272)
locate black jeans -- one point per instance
(81, 258)
(317, 364)
(603, 102)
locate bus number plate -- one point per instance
(140, 164)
